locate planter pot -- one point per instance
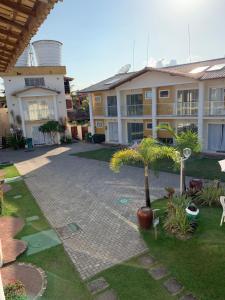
(192, 215)
(145, 217)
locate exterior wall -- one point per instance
(147, 132)
(165, 106)
(164, 133)
(102, 129)
(98, 108)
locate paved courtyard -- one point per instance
(92, 209)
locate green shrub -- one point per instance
(98, 138)
(209, 195)
(16, 140)
(176, 221)
(15, 291)
(88, 137)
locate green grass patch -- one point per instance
(198, 263)
(199, 166)
(63, 280)
(10, 170)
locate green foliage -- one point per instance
(209, 195)
(147, 152)
(16, 140)
(88, 137)
(176, 221)
(66, 140)
(15, 291)
(51, 128)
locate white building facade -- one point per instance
(34, 96)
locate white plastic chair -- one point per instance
(222, 201)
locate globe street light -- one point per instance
(186, 155)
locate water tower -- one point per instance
(48, 52)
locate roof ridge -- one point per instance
(192, 63)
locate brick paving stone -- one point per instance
(146, 260)
(107, 295)
(97, 285)
(188, 297)
(11, 249)
(10, 226)
(173, 286)
(158, 272)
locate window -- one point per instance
(135, 105)
(99, 124)
(182, 127)
(148, 95)
(185, 96)
(35, 81)
(216, 94)
(164, 94)
(112, 106)
(98, 99)
(135, 132)
(148, 125)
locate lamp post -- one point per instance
(186, 155)
(2, 296)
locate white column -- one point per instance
(56, 109)
(201, 87)
(91, 114)
(154, 112)
(22, 117)
(119, 117)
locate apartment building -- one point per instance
(130, 106)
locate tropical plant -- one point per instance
(209, 195)
(145, 153)
(182, 140)
(16, 139)
(15, 291)
(51, 128)
(176, 221)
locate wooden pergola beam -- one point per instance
(7, 42)
(9, 32)
(6, 51)
(3, 58)
(11, 23)
(18, 7)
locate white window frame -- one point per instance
(164, 123)
(99, 124)
(98, 99)
(166, 90)
(147, 97)
(146, 126)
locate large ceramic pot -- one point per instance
(145, 217)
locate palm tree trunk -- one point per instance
(147, 194)
(184, 178)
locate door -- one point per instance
(216, 137)
(113, 131)
(39, 138)
(135, 132)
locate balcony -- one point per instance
(39, 114)
(112, 111)
(136, 110)
(187, 109)
(215, 108)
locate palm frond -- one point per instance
(168, 128)
(124, 157)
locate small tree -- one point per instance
(182, 140)
(146, 153)
(51, 128)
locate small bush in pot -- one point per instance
(176, 221)
(145, 153)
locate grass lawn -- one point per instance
(199, 167)
(10, 170)
(198, 262)
(63, 280)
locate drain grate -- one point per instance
(123, 201)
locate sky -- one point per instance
(100, 36)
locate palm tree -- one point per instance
(182, 140)
(146, 153)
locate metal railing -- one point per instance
(187, 109)
(38, 114)
(215, 108)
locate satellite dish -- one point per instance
(124, 69)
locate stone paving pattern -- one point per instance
(173, 286)
(11, 249)
(70, 189)
(97, 285)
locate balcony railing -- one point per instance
(187, 109)
(38, 114)
(215, 108)
(112, 111)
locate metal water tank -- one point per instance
(48, 52)
(23, 60)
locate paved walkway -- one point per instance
(83, 192)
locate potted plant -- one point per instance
(145, 153)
